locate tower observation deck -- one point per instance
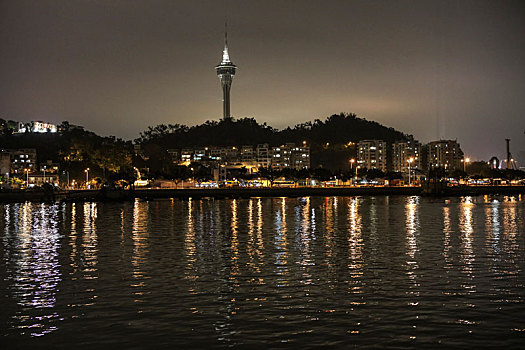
(225, 72)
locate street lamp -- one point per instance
(27, 177)
(87, 176)
(352, 161)
(465, 161)
(410, 161)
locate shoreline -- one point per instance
(220, 193)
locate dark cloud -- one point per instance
(451, 69)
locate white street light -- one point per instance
(465, 161)
(87, 176)
(410, 161)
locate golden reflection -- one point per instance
(511, 225)
(190, 249)
(329, 234)
(73, 237)
(355, 253)
(373, 218)
(254, 248)
(447, 232)
(234, 240)
(466, 228)
(251, 238)
(7, 217)
(412, 229)
(90, 241)
(36, 273)
(354, 239)
(139, 236)
(281, 244)
(305, 240)
(122, 226)
(492, 227)
(510, 222)
(260, 242)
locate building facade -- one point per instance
(445, 154)
(253, 158)
(22, 160)
(37, 127)
(264, 155)
(406, 154)
(290, 156)
(371, 154)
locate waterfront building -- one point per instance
(264, 156)
(37, 126)
(174, 155)
(49, 167)
(403, 152)
(40, 179)
(300, 157)
(231, 155)
(371, 154)
(22, 160)
(225, 71)
(186, 155)
(217, 154)
(247, 154)
(290, 156)
(281, 157)
(199, 154)
(445, 154)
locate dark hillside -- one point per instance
(336, 129)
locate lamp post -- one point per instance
(465, 161)
(409, 171)
(87, 176)
(27, 177)
(352, 161)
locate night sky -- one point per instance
(434, 69)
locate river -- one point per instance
(337, 272)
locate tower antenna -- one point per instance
(226, 71)
(226, 32)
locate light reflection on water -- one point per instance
(308, 272)
(34, 269)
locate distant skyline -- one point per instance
(434, 69)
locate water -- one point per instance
(339, 272)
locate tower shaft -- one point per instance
(226, 86)
(226, 71)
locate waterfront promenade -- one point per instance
(151, 194)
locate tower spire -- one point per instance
(225, 71)
(226, 32)
(225, 55)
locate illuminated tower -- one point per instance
(226, 71)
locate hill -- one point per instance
(332, 141)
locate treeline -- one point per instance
(336, 129)
(329, 140)
(332, 144)
(76, 149)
